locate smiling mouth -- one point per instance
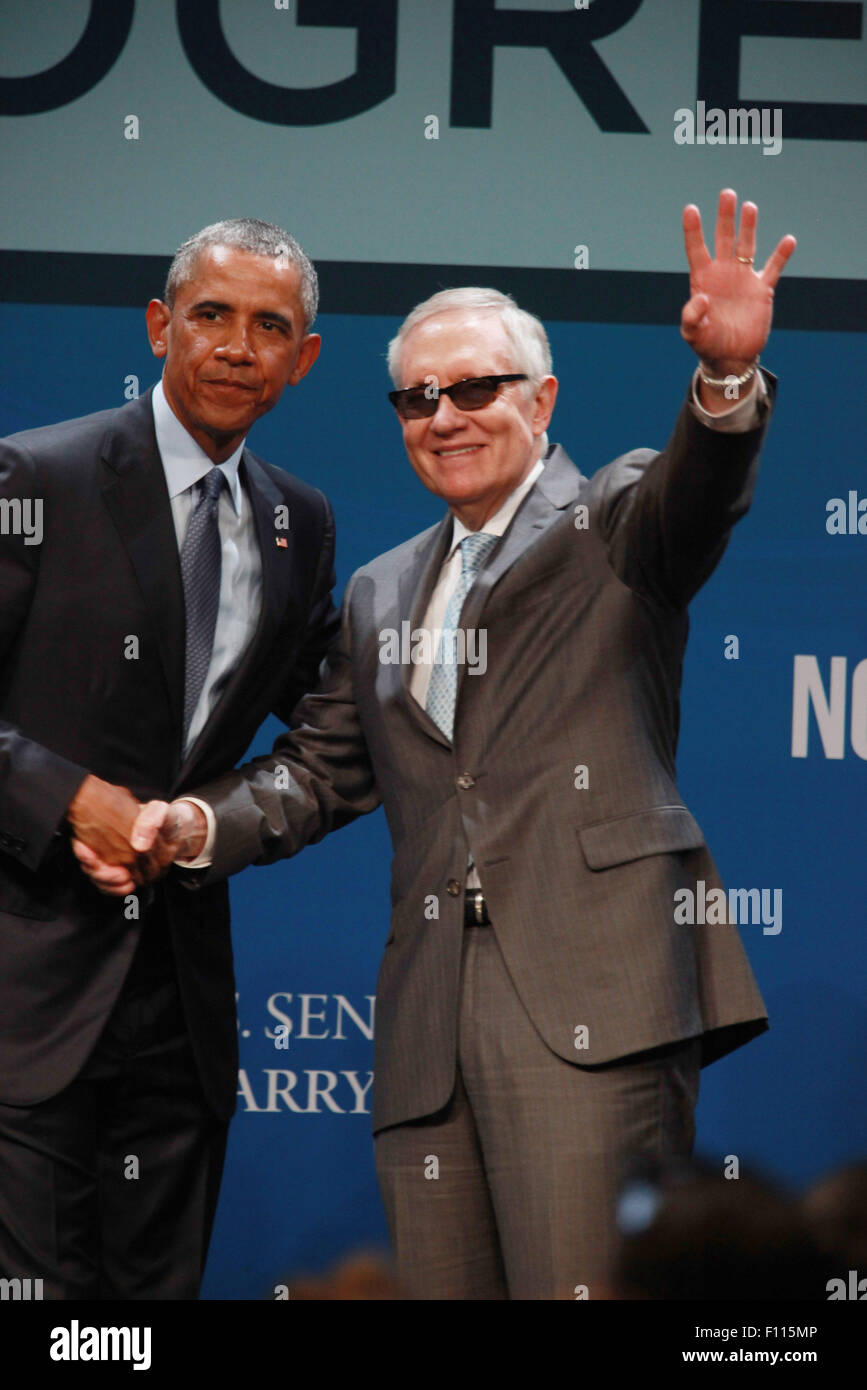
(456, 453)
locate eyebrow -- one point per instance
(222, 308)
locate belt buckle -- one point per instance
(479, 906)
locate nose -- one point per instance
(237, 346)
(446, 417)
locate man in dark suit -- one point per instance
(180, 592)
(542, 1013)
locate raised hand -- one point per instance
(162, 832)
(727, 318)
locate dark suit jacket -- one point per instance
(586, 631)
(71, 702)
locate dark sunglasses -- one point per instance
(420, 402)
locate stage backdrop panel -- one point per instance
(300, 1184)
(548, 149)
(430, 123)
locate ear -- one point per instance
(307, 355)
(544, 404)
(157, 318)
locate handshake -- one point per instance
(122, 843)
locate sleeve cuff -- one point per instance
(206, 857)
(742, 416)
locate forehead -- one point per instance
(237, 277)
(455, 344)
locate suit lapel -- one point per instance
(553, 490)
(135, 494)
(415, 586)
(539, 509)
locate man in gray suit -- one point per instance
(541, 1015)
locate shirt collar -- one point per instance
(185, 461)
(497, 524)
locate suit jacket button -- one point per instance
(465, 781)
(453, 887)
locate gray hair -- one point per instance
(246, 234)
(526, 334)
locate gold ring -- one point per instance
(745, 260)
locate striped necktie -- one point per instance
(201, 565)
(443, 687)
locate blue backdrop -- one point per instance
(299, 1186)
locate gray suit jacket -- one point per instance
(586, 630)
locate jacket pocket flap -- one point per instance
(659, 830)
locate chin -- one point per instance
(459, 499)
(462, 489)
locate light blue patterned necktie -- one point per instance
(443, 687)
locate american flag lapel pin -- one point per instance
(282, 542)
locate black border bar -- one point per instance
(380, 287)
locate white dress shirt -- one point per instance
(186, 463)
